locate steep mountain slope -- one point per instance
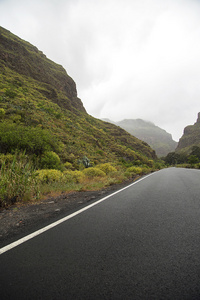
(190, 138)
(40, 112)
(157, 138)
(25, 59)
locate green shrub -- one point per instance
(159, 165)
(137, 162)
(193, 159)
(150, 163)
(188, 166)
(135, 170)
(34, 140)
(73, 176)
(93, 172)
(17, 179)
(146, 170)
(106, 168)
(48, 176)
(50, 160)
(68, 165)
(132, 171)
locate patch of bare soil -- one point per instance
(19, 220)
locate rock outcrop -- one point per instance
(190, 138)
(27, 60)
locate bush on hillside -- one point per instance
(193, 159)
(34, 140)
(93, 172)
(106, 168)
(50, 160)
(48, 176)
(132, 171)
(73, 176)
(135, 170)
(67, 165)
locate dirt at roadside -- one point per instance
(19, 219)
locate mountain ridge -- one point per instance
(159, 139)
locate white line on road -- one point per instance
(38, 232)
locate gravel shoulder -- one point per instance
(19, 220)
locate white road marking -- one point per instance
(38, 232)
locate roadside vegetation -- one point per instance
(21, 181)
(189, 159)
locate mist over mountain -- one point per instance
(159, 140)
(40, 112)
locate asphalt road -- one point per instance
(141, 243)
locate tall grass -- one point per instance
(18, 180)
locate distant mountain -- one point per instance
(190, 138)
(157, 138)
(40, 112)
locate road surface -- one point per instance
(141, 243)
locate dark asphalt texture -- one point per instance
(142, 243)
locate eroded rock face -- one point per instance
(190, 138)
(27, 60)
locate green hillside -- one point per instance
(40, 110)
(41, 114)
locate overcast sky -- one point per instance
(129, 58)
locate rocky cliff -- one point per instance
(27, 60)
(190, 138)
